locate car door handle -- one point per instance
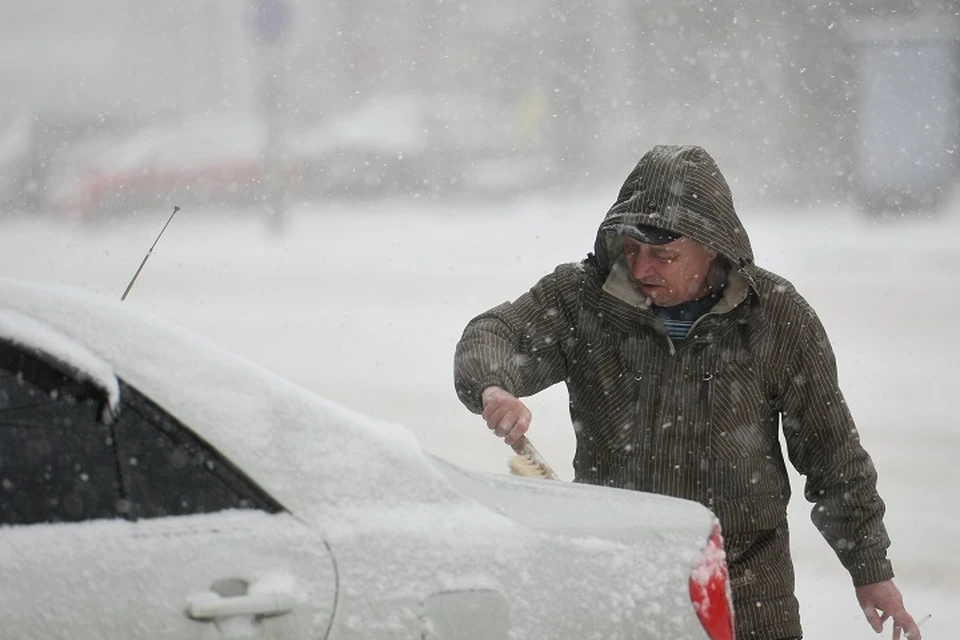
(211, 606)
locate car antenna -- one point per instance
(149, 251)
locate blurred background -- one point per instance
(120, 105)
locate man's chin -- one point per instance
(651, 292)
(659, 297)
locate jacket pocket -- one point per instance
(754, 476)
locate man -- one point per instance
(681, 357)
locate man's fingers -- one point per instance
(505, 425)
(874, 619)
(505, 415)
(903, 621)
(513, 425)
(502, 417)
(519, 428)
(496, 416)
(884, 598)
(490, 410)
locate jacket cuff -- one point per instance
(472, 396)
(475, 400)
(870, 568)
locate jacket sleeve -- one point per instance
(823, 444)
(519, 345)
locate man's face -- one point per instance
(669, 274)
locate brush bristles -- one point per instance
(526, 466)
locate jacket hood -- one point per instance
(679, 189)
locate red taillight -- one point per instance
(710, 589)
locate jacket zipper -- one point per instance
(647, 432)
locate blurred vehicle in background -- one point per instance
(401, 144)
(214, 158)
(53, 133)
(908, 113)
(422, 145)
(373, 148)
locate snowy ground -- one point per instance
(364, 302)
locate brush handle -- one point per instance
(523, 447)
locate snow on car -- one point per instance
(157, 486)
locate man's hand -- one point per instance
(505, 415)
(882, 600)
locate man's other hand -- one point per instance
(505, 415)
(882, 600)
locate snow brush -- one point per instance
(528, 462)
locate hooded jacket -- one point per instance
(700, 418)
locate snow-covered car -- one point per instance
(156, 486)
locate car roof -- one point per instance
(294, 444)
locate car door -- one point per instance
(244, 574)
(133, 527)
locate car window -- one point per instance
(167, 470)
(60, 462)
(56, 458)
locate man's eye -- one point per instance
(666, 259)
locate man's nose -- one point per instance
(642, 267)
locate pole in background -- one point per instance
(149, 251)
(272, 21)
